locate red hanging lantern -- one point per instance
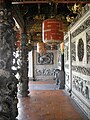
(53, 31)
(41, 47)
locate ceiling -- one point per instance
(34, 12)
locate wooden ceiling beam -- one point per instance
(47, 1)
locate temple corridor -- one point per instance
(48, 103)
(44, 43)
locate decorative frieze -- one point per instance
(44, 72)
(82, 86)
(82, 70)
(84, 26)
(85, 9)
(48, 58)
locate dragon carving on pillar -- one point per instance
(8, 81)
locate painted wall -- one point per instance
(77, 60)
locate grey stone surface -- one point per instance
(43, 87)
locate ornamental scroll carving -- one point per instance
(82, 70)
(44, 72)
(84, 26)
(48, 58)
(85, 9)
(82, 86)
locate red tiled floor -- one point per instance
(48, 105)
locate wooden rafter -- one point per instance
(47, 1)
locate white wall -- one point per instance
(77, 61)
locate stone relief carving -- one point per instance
(83, 70)
(67, 77)
(8, 82)
(88, 46)
(80, 48)
(66, 49)
(44, 72)
(84, 26)
(66, 53)
(81, 85)
(85, 9)
(73, 51)
(48, 58)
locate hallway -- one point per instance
(50, 104)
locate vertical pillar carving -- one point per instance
(62, 73)
(24, 67)
(8, 82)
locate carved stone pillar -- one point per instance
(24, 67)
(8, 82)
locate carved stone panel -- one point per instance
(84, 26)
(80, 48)
(66, 49)
(48, 58)
(66, 53)
(44, 72)
(67, 78)
(88, 46)
(82, 86)
(73, 50)
(82, 70)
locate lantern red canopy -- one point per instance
(52, 31)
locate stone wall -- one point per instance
(44, 66)
(77, 60)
